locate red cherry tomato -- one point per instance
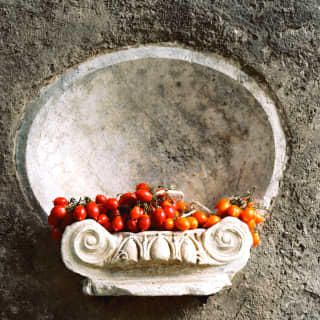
(117, 223)
(112, 204)
(79, 213)
(100, 198)
(67, 220)
(56, 234)
(114, 213)
(60, 201)
(102, 219)
(136, 212)
(58, 212)
(143, 186)
(52, 220)
(174, 203)
(132, 225)
(144, 195)
(92, 210)
(127, 199)
(107, 225)
(170, 212)
(125, 217)
(159, 217)
(102, 208)
(144, 222)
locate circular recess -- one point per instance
(153, 114)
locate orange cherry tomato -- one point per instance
(250, 204)
(248, 214)
(251, 224)
(201, 217)
(182, 206)
(223, 205)
(169, 224)
(193, 222)
(234, 211)
(166, 203)
(177, 214)
(212, 220)
(182, 224)
(259, 218)
(255, 238)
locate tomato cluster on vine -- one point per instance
(242, 208)
(147, 209)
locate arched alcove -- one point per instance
(164, 115)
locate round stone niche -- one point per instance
(162, 115)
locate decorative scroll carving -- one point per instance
(90, 250)
(228, 241)
(222, 243)
(88, 242)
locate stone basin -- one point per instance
(162, 115)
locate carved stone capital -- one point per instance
(198, 262)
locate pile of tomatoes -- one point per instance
(242, 208)
(146, 209)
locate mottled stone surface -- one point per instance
(277, 43)
(163, 121)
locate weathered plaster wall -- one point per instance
(277, 42)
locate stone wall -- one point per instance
(277, 43)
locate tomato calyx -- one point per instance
(242, 201)
(73, 203)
